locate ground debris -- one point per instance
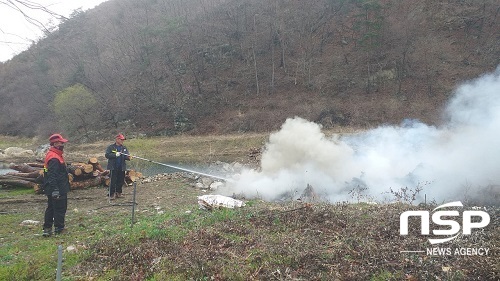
(303, 241)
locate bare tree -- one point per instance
(23, 6)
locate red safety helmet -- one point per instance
(120, 136)
(57, 137)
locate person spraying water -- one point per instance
(117, 155)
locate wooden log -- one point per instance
(83, 167)
(36, 177)
(88, 168)
(98, 173)
(130, 181)
(106, 181)
(95, 163)
(19, 183)
(16, 178)
(132, 176)
(92, 182)
(105, 173)
(98, 167)
(134, 173)
(85, 176)
(93, 160)
(24, 168)
(35, 165)
(39, 179)
(75, 170)
(78, 169)
(34, 174)
(38, 189)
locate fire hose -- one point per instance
(177, 167)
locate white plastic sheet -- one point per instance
(209, 202)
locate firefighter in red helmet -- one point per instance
(56, 186)
(117, 154)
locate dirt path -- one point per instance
(160, 196)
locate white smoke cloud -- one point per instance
(463, 152)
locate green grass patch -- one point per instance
(194, 149)
(385, 275)
(15, 191)
(23, 142)
(26, 254)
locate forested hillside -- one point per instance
(162, 67)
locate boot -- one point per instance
(60, 231)
(119, 195)
(47, 232)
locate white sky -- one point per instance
(17, 34)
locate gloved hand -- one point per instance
(118, 154)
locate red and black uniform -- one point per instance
(55, 179)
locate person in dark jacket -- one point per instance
(117, 154)
(56, 186)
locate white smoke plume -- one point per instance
(462, 155)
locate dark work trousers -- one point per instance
(55, 212)
(117, 181)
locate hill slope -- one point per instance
(165, 67)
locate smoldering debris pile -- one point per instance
(451, 161)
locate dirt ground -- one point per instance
(150, 197)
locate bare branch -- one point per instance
(21, 6)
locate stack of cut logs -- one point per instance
(81, 175)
